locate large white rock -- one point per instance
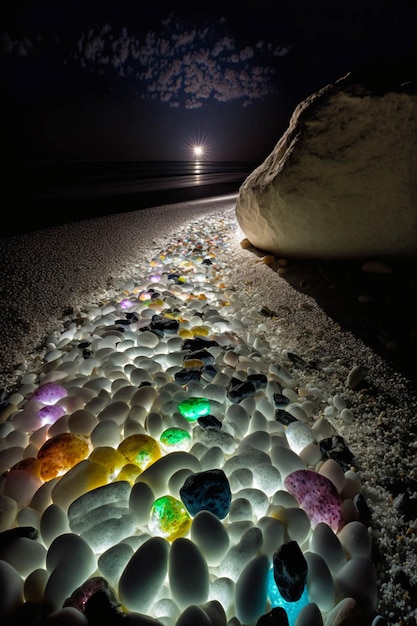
(342, 180)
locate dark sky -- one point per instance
(134, 80)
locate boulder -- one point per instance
(342, 180)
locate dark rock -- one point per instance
(276, 617)
(209, 422)
(336, 448)
(290, 571)
(207, 491)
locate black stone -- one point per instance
(201, 355)
(207, 491)
(276, 617)
(209, 422)
(290, 571)
(336, 448)
(280, 400)
(259, 380)
(283, 417)
(29, 532)
(238, 392)
(183, 376)
(198, 343)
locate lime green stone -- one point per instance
(169, 518)
(193, 408)
(176, 438)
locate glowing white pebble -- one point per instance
(258, 499)
(352, 485)
(9, 457)
(70, 562)
(214, 457)
(114, 560)
(147, 339)
(140, 502)
(296, 410)
(248, 546)
(144, 575)
(82, 422)
(29, 517)
(106, 433)
(325, 543)
(299, 435)
(158, 474)
(296, 522)
(259, 440)
(115, 411)
(267, 478)
(320, 583)
(356, 540)
(24, 554)
(11, 596)
(54, 522)
(188, 573)
(250, 591)
(98, 384)
(285, 460)
(240, 509)
(311, 455)
(166, 610)
(211, 536)
(357, 579)
(21, 485)
(273, 533)
(43, 496)
(8, 512)
(310, 615)
(145, 397)
(240, 478)
(193, 615)
(323, 429)
(333, 471)
(53, 355)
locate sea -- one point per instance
(60, 191)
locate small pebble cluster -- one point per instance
(164, 464)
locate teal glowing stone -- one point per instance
(292, 608)
(193, 408)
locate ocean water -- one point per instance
(58, 192)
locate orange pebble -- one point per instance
(61, 453)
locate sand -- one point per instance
(47, 274)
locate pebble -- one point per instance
(170, 449)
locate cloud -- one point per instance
(180, 65)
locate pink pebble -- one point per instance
(317, 495)
(49, 393)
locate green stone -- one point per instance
(176, 438)
(193, 408)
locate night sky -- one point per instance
(134, 80)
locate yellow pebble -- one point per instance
(193, 363)
(200, 330)
(185, 333)
(112, 460)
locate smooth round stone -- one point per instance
(357, 579)
(320, 584)
(267, 478)
(54, 522)
(299, 435)
(240, 509)
(145, 397)
(356, 540)
(80, 479)
(106, 433)
(214, 457)
(21, 485)
(115, 411)
(352, 485)
(114, 560)
(140, 502)
(193, 615)
(158, 474)
(9, 457)
(251, 590)
(333, 471)
(285, 460)
(273, 533)
(11, 597)
(24, 554)
(296, 522)
(27, 420)
(323, 429)
(259, 440)
(257, 498)
(70, 562)
(144, 575)
(8, 512)
(311, 455)
(211, 536)
(34, 586)
(248, 547)
(29, 517)
(82, 422)
(326, 544)
(310, 615)
(49, 393)
(188, 573)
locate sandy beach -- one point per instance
(48, 274)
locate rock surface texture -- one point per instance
(342, 180)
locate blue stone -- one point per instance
(207, 491)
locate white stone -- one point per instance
(341, 180)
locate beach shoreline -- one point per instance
(51, 272)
